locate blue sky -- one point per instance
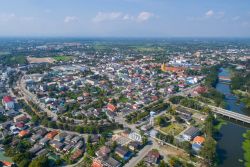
(125, 18)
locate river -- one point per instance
(230, 138)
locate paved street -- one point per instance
(135, 160)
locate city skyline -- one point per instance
(125, 18)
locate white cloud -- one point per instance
(47, 11)
(119, 16)
(144, 16)
(128, 17)
(209, 13)
(102, 16)
(219, 15)
(28, 18)
(7, 17)
(245, 24)
(236, 18)
(69, 19)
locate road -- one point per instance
(31, 97)
(120, 119)
(135, 160)
(142, 153)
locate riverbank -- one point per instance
(229, 137)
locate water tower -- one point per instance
(151, 120)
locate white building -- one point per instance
(8, 102)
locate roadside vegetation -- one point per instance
(246, 148)
(10, 60)
(240, 85)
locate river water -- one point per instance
(229, 139)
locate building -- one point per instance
(190, 133)
(103, 151)
(123, 153)
(111, 107)
(57, 145)
(197, 143)
(165, 68)
(8, 102)
(23, 133)
(60, 137)
(105, 162)
(135, 136)
(77, 154)
(52, 134)
(134, 145)
(44, 141)
(200, 90)
(199, 140)
(20, 118)
(152, 157)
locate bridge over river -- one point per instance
(230, 114)
(224, 79)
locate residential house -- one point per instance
(44, 141)
(76, 139)
(111, 107)
(123, 153)
(60, 137)
(23, 133)
(103, 151)
(152, 157)
(20, 118)
(67, 148)
(134, 145)
(52, 134)
(8, 102)
(77, 154)
(56, 145)
(197, 143)
(105, 162)
(190, 133)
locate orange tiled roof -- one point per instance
(6, 163)
(52, 134)
(199, 139)
(97, 163)
(23, 133)
(111, 107)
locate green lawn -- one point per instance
(173, 129)
(62, 58)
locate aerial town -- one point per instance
(84, 103)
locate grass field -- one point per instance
(62, 58)
(173, 129)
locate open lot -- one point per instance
(173, 129)
(40, 60)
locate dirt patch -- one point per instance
(33, 60)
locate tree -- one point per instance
(24, 163)
(246, 148)
(141, 164)
(163, 164)
(208, 151)
(41, 161)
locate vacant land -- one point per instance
(173, 129)
(40, 60)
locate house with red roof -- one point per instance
(111, 107)
(23, 133)
(8, 102)
(200, 90)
